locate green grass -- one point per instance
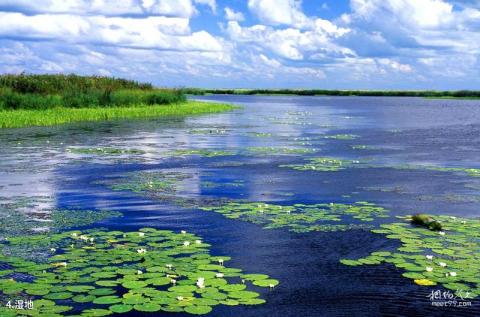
(52, 91)
(59, 83)
(47, 117)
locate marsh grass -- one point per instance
(51, 91)
(62, 115)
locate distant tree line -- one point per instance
(325, 92)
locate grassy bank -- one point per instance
(320, 92)
(62, 115)
(72, 91)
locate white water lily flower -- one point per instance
(74, 235)
(53, 249)
(198, 241)
(64, 264)
(219, 275)
(429, 269)
(442, 264)
(220, 261)
(173, 281)
(139, 272)
(91, 240)
(169, 266)
(141, 250)
(186, 243)
(442, 233)
(429, 257)
(141, 234)
(201, 282)
(183, 232)
(180, 298)
(271, 285)
(453, 273)
(83, 237)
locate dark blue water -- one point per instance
(313, 282)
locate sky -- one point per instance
(330, 44)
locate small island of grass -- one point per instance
(44, 100)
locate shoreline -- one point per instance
(57, 116)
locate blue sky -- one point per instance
(343, 44)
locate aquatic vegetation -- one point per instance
(48, 117)
(301, 217)
(104, 151)
(472, 172)
(15, 218)
(448, 257)
(202, 152)
(363, 147)
(153, 182)
(206, 131)
(98, 272)
(260, 134)
(279, 150)
(341, 137)
(323, 164)
(236, 183)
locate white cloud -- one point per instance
(232, 15)
(278, 12)
(175, 8)
(424, 13)
(152, 32)
(291, 43)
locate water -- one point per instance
(395, 131)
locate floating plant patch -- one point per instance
(213, 131)
(260, 134)
(341, 137)
(24, 217)
(472, 172)
(104, 151)
(155, 182)
(98, 273)
(279, 151)
(204, 153)
(446, 253)
(303, 218)
(323, 164)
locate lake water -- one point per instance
(381, 136)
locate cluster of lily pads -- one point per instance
(302, 217)
(448, 256)
(202, 152)
(265, 150)
(323, 164)
(206, 131)
(235, 183)
(341, 137)
(155, 182)
(362, 147)
(104, 151)
(98, 273)
(260, 134)
(15, 220)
